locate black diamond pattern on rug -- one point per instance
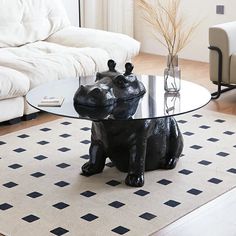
(113, 183)
(60, 205)
(66, 123)
(172, 203)
(65, 135)
(86, 141)
(182, 121)
(229, 132)
(37, 174)
(194, 191)
(141, 193)
(85, 129)
(116, 204)
(15, 166)
(188, 133)
(40, 157)
(164, 182)
(43, 142)
(30, 218)
(88, 194)
(185, 172)
(61, 184)
(213, 140)
(220, 121)
(204, 127)
(222, 154)
(64, 149)
(215, 180)
(147, 216)
(196, 147)
(197, 116)
(10, 185)
(19, 150)
(89, 217)
(34, 194)
(5, 206)
(59, 231)
(45, 129)
(2, 143)
(232, 170)
(120, 230)
(86, 157)
(205, 163)
(23, 136)
(63, 165)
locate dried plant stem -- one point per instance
(167, 24)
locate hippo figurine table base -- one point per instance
(134, 146)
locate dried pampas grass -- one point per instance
(169, 26)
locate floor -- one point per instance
(214, 216)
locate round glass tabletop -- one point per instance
(155, 103)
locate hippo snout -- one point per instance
(94, 96)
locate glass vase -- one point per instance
(172, 75)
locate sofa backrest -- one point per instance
(26, 21)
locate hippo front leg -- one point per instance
(135, 177)
(97, 159)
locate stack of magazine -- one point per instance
(51, 101)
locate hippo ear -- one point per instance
(111, 65)
(128, 68)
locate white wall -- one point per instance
(203, 10)
(72, 11)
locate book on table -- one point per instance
(51, 101)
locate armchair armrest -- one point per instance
(222, 36)
(120, 47)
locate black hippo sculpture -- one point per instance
(133, 146)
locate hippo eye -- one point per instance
(121, 81)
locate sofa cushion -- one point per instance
(120, 47)
(43, 61)
(27, 21)
(12, 83)
(11, 108)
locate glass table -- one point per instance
(137, 135)
(155, 103)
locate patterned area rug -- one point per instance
(43, 193)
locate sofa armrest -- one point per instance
(120, 47)
(222, 36)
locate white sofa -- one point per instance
(222, 40)
(38, 44)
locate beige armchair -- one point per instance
(222, 40)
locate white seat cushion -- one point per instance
(120, 47)
(43, 61)
(12, 83)
(11, 108)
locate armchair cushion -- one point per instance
(223, 36)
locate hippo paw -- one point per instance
(135, 180)
(171, 163)
(90, 169)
